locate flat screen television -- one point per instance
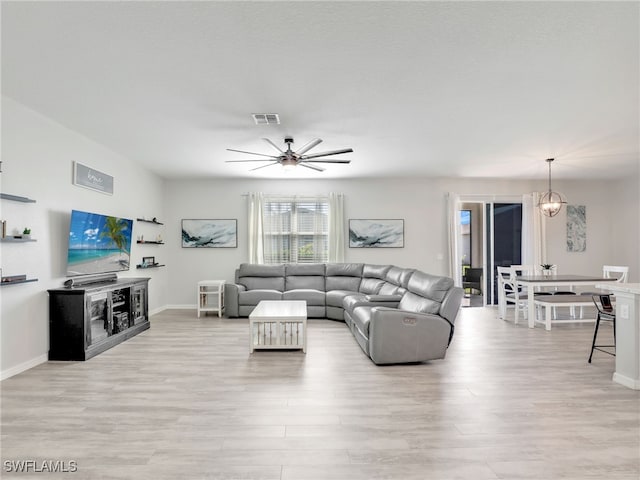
(98, 244)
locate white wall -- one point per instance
(37, 156)
(420, 202)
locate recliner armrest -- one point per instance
(398, 336)
(231, 291)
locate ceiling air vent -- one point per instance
(266, 118)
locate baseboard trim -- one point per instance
(626, 381)
(34, 362)
(157, 310)
(181, 307)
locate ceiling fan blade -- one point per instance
(312, 167)
(308, 146)
(273, 145)
(256, 160)
(328, 160)
(324, 154)
(250, 153)
(263, 166)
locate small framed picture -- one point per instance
(148, 261)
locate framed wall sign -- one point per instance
(204, 233)
(376, 233)
(92, 179)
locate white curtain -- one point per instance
(255, 203)
(453, 228)
(533, 232)
(336, 228)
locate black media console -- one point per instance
(87, 320)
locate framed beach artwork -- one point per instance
(376, 233)
(205, 233)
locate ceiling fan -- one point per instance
(290, 159)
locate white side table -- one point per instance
(211, 296)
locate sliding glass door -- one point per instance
(504, 241)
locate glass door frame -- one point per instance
(488, 265)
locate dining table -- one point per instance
(533, 282)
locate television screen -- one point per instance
(98, 243)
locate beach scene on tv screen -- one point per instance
(98, 243)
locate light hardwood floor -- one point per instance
(185, 400)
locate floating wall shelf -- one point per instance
(16, 198)
(154, 243)
(155, 222)
(152, 266)
(28, 280)
(17, 240)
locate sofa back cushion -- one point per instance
(391, 289)
(396, 280)
(375, 271)
(370, 286)
(261, 277)
(373, 278)
(425, 293)
(304, 276)
(343, 276)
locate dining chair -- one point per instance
(619, 272)
(504, 286)
(520, 294)
(569, 291)
(605, 313)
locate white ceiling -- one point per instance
(459, 89)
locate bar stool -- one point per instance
(606, 313)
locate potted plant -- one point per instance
(547, 268)
(26, 233)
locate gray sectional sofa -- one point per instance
(397, 315)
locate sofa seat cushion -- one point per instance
(336, 297)
(352, 301)
(312, 297)
(253, 297)
(361, 318)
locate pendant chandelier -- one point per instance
(551, 202)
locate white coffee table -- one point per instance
(278, 325)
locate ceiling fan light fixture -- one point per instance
(289, 159)
(551, 202)
(288, 164)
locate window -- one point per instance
(296, 230)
